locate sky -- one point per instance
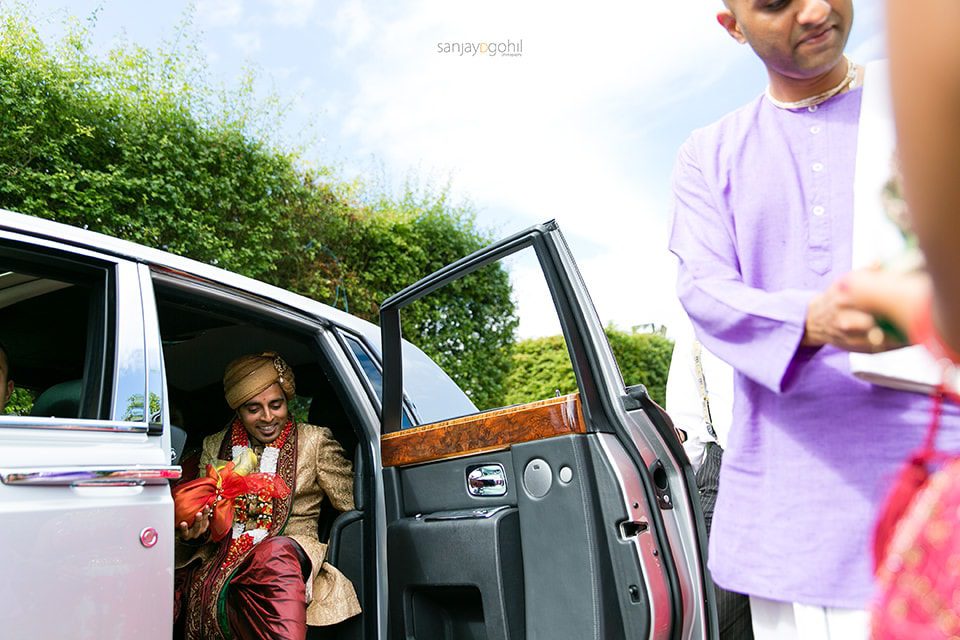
(580, 124)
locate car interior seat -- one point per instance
(326, 410)
(178, 441)
(343, 532)
(62, 400)
(345, 549)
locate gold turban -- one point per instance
(249, 375)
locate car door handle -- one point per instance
(487, 480)
(464, 514)
(108, 482)
(91, 476)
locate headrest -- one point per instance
(62, 400)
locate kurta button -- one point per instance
(815, 129)
(819, 211)
(817, 166)
(812, 108)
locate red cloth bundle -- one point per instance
(218, 489)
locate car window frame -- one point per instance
(392, 340)
(101, 377)
(344, 337)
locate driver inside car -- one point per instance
(266, 577)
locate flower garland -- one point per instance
(253, 506)
(849, 81)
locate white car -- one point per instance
(570, 518)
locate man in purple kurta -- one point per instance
(762, 225)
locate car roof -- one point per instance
(157, 258)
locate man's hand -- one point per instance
(833, 318)
(199, 527)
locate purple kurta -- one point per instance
(762, 220)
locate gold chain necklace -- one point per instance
(849, 81)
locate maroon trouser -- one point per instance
(266, 598)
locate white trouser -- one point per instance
(774, 620)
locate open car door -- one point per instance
(572, 517)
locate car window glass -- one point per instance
(496, 335)
(373, 374)
(369, 367)
(54, 327)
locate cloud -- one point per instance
(870, 19)
(874, 48)
(285, 74)
(247, 41)
(292, 13)
(628, 286)
(220, 13)
(351, 25)
(212, 55)
(552, 133)
(513, 129)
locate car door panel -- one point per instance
(85, 504)
(553, 499)
(605, 551)
(460, 574)
(569, 595)
(116, 574)
(441, 513)
(564, 529)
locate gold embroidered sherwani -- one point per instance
(322, 471)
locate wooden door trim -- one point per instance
(490, 431)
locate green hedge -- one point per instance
(541, 366)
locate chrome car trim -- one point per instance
(487, 480)
(251, 297)
(90, 476)
(67, 424)
(156, 385)
(130, 400)
(108, 482)
(149, 537)
(684, 573)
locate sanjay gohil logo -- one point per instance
(507, 49)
